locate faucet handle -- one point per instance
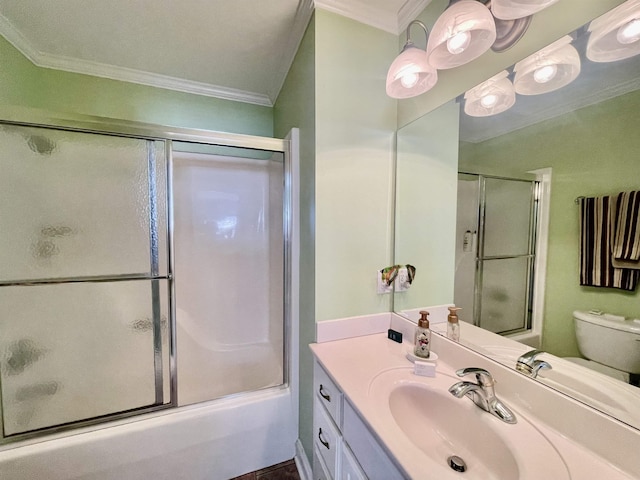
(483, 376)
(528, 357)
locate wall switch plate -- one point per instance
(402, 280)
(382, 287)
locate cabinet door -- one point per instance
(349, 467)
(320, 471)
(372, 458)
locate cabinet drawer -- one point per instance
(327, 393)
(326, 438)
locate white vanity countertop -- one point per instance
(355, 362)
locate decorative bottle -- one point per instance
(422, 343)
(453, 325)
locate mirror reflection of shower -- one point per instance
(495, 251)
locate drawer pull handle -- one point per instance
(326, 396)
(323, 442)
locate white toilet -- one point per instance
(611, 343)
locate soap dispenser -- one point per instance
(453, 325)
(422, 343)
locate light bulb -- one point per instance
(459, 42)
(544, 74)
(489, 100)
(408, 76)
(630, 32)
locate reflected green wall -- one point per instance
(427, 180)
(26, 85)
(593, 151)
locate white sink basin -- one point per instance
(434, 425)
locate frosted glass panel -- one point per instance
(504, 294)
(77, 204)
(228, 239)
(76, 351)
(507, 217)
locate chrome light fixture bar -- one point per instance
(410, 74)
(464, 31)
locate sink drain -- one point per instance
(456, 463)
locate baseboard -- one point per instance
(302, 462)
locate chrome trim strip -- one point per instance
(94, 279)
(94, 124)
(155, 285)
(173, 360)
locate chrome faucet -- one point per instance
(482, 393)
(528, 364)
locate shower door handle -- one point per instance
(326, 396)
(323, 442)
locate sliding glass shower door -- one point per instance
(229, 264)
(495, 255)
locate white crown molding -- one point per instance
(113, 72)
(560, 109)
(361, 12)
(409, 12)
(302, 18)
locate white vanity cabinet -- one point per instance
(343, 447)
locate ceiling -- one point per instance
(234, 49)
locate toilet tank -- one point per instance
(609, 339)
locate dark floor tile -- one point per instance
(246, 476)
(281, 471)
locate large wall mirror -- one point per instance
(489, 209)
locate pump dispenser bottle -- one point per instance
(422, 343)
(453, 325)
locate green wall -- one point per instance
(295, 107)
(26, 85)
(426, 179)
(593, 151)
(355, 130)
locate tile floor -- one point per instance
(282, 471)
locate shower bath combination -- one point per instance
(142, 274)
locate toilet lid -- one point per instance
(608, 320)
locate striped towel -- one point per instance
(596, 236)
(626, 244)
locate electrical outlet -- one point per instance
(401, 282)
(382, 285)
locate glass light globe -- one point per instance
(461, 34)
(410, 74)
(490, 97)
(614, 36)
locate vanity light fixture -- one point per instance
(512, 9)
(410, 73)
(462, 33)
(549, 69)
(491, 97)
(616, 34)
